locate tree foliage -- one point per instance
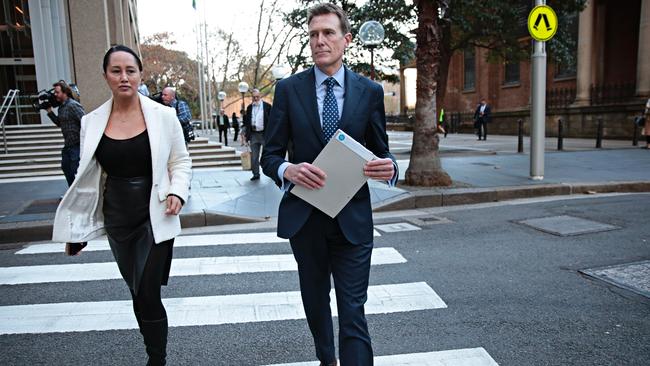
(166, 67)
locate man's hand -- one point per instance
(49, 109)
(379, 169)
(305, 175)
(174, 205)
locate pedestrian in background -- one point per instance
(133, 180)
(482, 117)
(255, 120)
(234, 122)
(68, 119)
(223, 125)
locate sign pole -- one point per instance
(538, 112)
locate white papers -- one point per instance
(342, 160)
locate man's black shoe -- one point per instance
(255, 177)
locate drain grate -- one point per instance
(565, 225)
(428, 220)
(630, 276)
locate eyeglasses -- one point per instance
(256, 97)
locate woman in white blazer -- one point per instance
(132, 181)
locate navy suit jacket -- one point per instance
(294, 127)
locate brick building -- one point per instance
(611, 79)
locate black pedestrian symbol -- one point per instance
(539, 18)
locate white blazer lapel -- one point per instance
(150, 112)
(95, 124)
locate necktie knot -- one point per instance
(330, 82)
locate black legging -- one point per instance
(147, 304)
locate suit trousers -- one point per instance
(223, 130)
(321, 250)
(257, 142)
(482, 129)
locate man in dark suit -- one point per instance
(307, 110)
(223, 124)
(255, 122)
(481, 119)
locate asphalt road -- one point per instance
(508, 288)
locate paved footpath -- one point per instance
(482, 171)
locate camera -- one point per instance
(46, 99)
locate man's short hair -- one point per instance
(64, 88)
(327, 8)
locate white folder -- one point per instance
(342, 160)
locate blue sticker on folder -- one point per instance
(341, 137)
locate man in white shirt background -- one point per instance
(255, 121)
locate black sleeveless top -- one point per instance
(126, 158)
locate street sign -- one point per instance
(542, 23)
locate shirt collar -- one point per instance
(339, 76)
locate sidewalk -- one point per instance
(482, 171)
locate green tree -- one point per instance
(166, 67)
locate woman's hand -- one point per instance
(174, 205)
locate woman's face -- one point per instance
(122, 74)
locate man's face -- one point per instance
(168, 96)
(59, 94)
(327, 42)
(256, 97)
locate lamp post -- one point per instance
(279, 72)
(243, 88)
(371, 34)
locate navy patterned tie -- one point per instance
(330, 110)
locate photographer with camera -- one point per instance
(69, 120)
(182, 112)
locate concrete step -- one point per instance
(56, 135)
(29, 156)
(30, 143)
(216, 164)
(38, 174)
(30, 168)
(31, 161)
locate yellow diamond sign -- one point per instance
(542, 23)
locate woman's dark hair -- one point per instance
(122, 48)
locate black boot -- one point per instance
(155, 339)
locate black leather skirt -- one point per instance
(128, 228)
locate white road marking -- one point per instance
(455, 357)
(205, 310)
(180, 241)
(397, 227)
(180, 267)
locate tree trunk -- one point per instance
(424, 167)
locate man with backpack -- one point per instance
(182, 112)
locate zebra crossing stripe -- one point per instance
(180, 241)
(205, 310)
(456, 357)
(180, 267)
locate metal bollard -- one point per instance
(520, 140)
(599, 134)
(560, 135)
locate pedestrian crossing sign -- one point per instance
(542, 23)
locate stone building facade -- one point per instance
(43, 41)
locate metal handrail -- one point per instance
(11, 96)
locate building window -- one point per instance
(511, 74)
(469, 69)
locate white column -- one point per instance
(585, 54)
(643, 60)
(50, 42)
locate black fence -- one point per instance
(611, 93)
(560, 97)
